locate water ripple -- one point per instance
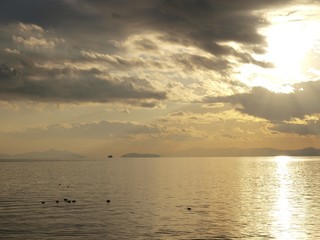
(161, 199)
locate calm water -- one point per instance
(231, 198)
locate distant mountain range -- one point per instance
(233, 152)
(140, 155)
(195, 152)
(46, 155)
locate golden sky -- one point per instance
(100, 77)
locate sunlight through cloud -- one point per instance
(293, 38)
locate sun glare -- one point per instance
(292, 37)
(288, 45)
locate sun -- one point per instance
(292, 37)
(289, 42)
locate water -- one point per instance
(230, 198)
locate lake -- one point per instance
(161, 198)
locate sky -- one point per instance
(158, 76)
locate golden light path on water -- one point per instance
(284, 225)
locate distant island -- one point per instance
(140, 155)
(46, 155)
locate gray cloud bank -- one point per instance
(280, 108)
(71, 85)
(310, 127)
(200, 22)
(276, 106)
(87, 32)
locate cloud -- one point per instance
(204, 24)
(12, 51)
(34, 42)
(106, 130)
(30, 28)
(28, 36)
(310, 128)
(146, 44)
(192, 62)
(72, 85)
(260, 102)
(218, 126)
(31, 72)
(114, 60)
(93, 130)
(124, 52)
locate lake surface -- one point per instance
(230, 198)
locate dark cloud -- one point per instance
(115, 61)
(34, 69)
(7, 73)
(309, 127)
(72, 85)
(192, 62)
(276, 106)
(199, 23)
(146, 44)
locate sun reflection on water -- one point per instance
(283, 217)
(284, 222)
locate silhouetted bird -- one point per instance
(43, 202)
(73, 201)
(69, 201)
(66, 199)
(189, 208)
(108, 201)
(57, 201)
